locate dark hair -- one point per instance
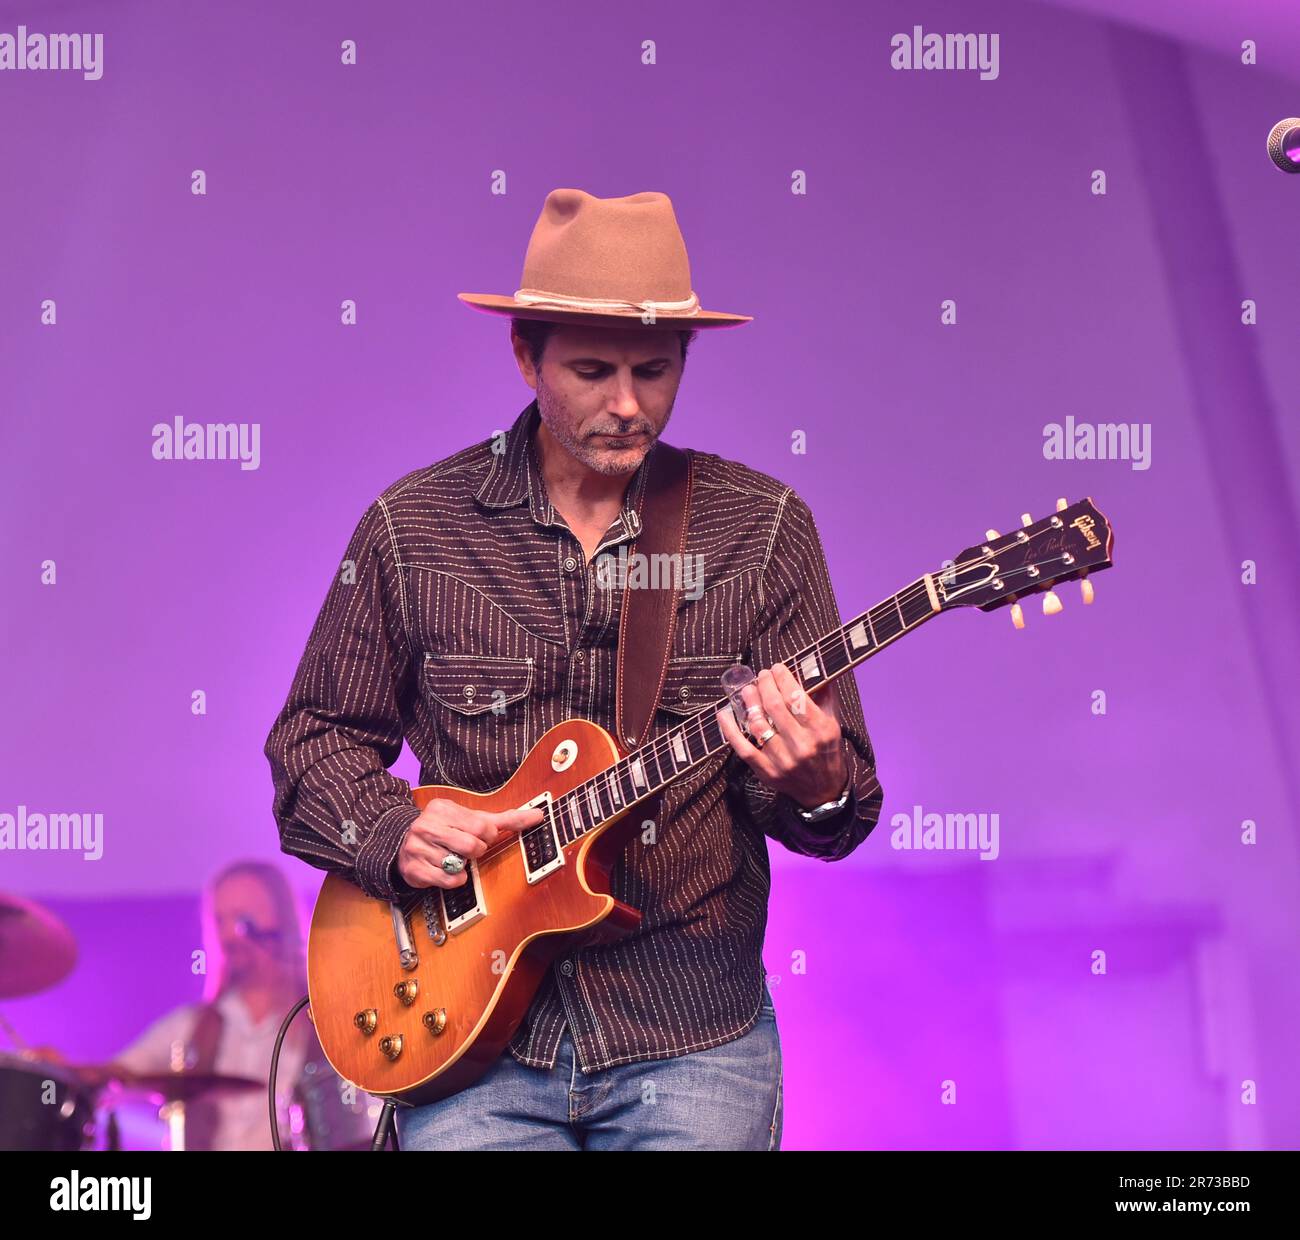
(536, 332)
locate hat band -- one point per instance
(538, 297)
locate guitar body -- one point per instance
(474, 986)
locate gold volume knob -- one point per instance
(366, 1020)
(435, 1021)
(391, 1045)
(407, 990)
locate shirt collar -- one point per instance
(515, 478)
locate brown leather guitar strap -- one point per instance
(645, 631)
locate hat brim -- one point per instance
(492, 303)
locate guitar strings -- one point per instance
(660, 747)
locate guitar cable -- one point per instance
(384, 1130)
(275, 1067)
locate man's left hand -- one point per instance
(804, 759)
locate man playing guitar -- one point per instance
(472, 613)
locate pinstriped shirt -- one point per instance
(466, 620)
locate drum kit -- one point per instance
(46, 1104)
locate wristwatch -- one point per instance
(827, 809)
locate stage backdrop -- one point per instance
(951, 269)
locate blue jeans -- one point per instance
(725, 1098)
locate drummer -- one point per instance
(255, 940)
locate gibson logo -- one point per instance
(1084, 525)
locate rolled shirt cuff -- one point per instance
(826, 828)
(376, 872)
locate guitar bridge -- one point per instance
(432, 919)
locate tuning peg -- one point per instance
(1026, 519)
(1017, 616)
(990, 535)
(1051, 604)
(1085, 589)
(1061, 505)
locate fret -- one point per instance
(575, 815)
(697, 740)
(567, 833)
(693, 738)
(901, 620)
(659, 774)
(678, 743)
(884, 629)
(810, 670)
(838, 657)
(557, 820)
(647, 758)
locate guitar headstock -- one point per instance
(1074, 541)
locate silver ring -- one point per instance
(760, 741)
(453, 863)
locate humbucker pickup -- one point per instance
(540, 845)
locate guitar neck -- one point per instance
(651, 768)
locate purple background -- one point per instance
(1119, 833)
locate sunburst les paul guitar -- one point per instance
(414, 1001)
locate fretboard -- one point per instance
(656, 764)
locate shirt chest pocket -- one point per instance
(690, 685)
(693, 683)
(481, 709)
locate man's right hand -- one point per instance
(444, 827)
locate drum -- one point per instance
(43, 1107)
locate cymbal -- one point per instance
(37, 949)
(172, 1086)
(37, 1065)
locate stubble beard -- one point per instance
(612, 462)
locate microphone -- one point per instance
(247, 929)
(1284, 144)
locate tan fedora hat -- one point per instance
(606, 262)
